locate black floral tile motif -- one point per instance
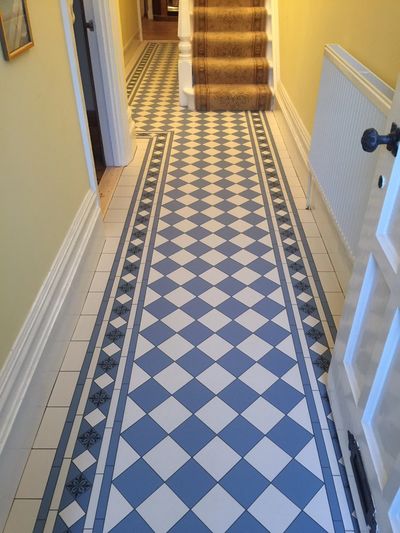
(78, 486)
(89, 438)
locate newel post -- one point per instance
(185, 49)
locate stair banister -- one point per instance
(185, 32)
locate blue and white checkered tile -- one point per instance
(206, 409)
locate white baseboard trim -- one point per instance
(298, 141)
(30, 351)
(128, 45)
(298, 130)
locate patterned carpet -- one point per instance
(229, 48)
(201, 405)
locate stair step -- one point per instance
(240, 97)
(217, 70)
(230, 19)
(229, 44)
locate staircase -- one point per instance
(225, 55)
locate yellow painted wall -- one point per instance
(129, 20)
(368, 29)
(43, 175)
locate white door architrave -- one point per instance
(117, 126)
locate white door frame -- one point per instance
(118, 130)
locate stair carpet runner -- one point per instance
(229, 55)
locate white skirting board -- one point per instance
(29, 373)
(298, 141)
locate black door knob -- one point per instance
(89, 25)
(371, 140)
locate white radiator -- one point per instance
(351, 99)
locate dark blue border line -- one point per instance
(322, 452)
(116, 429)
(327, 311)
(313, 268)
(81, 478)
(127, 78)
(145, 59)
(76, 398)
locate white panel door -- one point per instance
(364, 378)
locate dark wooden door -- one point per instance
(81, 27)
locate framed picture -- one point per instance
(15, 29)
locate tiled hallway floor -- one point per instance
(192, 397)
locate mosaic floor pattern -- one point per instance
(202, 404)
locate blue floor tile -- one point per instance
(290, 436)
(138, 482)
(248, 524)
(238, 395)
(298, 484)
(195, 362)
(144, 435)
(236, 362)
(191, 483)
(194, 395)
(241, 435)
(189, 524)
(244, 483)
(192, 435)
(283, 396)
(149, 395)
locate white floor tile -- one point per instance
(215, 378)
(84, 328)
(115, 215)
(170, 509)
(323, 263)
(283, 510)
(117, 509)
(74, 356)
(217, 458)
(262, 415)
(36, 473)
(335, 302)
(166, 458)
(329, 282)
(173, 378)
(268, 458)
(170, 414)
(255, 347)
(215, 347)
(318, 509)
(105, 262)
(51, 427)
(63, 389)
(113, 229)
(99, 282)
(22, 516)
(216, 414)
(92, 303)
(311, 229)
(120, 202)
(124, 191)
(218, 510)
(258, 378)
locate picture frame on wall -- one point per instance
(15, 29)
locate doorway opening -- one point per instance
(160, 20)
(81, 27)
